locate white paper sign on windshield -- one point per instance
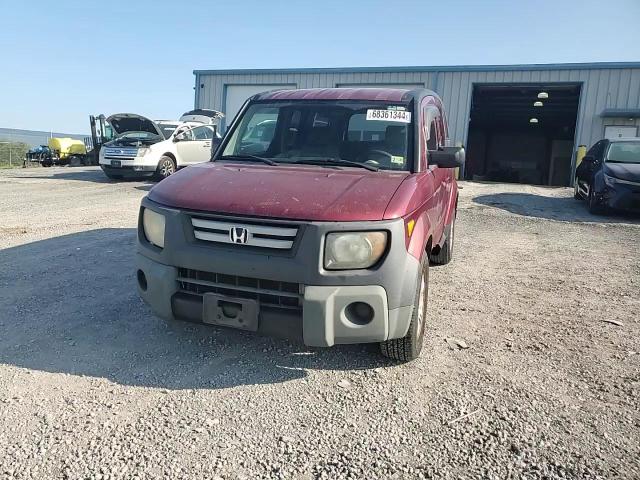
(389, 115)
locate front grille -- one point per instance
(120, 153)
(268, 293)
(266, 235)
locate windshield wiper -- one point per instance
(268, 161)
(338, 161)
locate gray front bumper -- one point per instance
(389, 288)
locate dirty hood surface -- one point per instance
(291, 192)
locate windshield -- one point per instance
(624, 152)
(167, 128)
(371, 133)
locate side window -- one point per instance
(202, 133)
(186, 132)
(432, 141)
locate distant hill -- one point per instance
(34, 138)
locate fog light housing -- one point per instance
(360, 313)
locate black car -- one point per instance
(609, 176)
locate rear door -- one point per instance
(441, 176)
(196, 147)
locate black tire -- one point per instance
(576, 190)
(166, 167)
(593, 205)
(445, 253)
(409, 347)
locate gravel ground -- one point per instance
(92, 385)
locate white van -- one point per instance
(147, 148)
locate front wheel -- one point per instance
(576, 190)
(409, 347)
(593, 204)
(445, 254)
(166, 167)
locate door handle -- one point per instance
(207, 145)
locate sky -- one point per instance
(65, 60)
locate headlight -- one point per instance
(153, 225)
(347, 250)
(143, 151)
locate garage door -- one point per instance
(409, 86)
(612, 132)
(237, 94)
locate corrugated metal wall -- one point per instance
(603, 86)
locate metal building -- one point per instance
(519, 123)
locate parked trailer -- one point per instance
(68, 151)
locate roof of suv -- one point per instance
(385, 94)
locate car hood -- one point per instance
(291, 192)
(131, 122)
(623, 171)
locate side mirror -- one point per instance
(448, 157)
(179, 137)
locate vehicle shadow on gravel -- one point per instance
(85, 174)
(565, 209)
(70, 306)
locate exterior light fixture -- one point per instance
(538, 104)
(533, 120)
(543, 95)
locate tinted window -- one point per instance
(167, 128)
(432, 142)
(203, 133)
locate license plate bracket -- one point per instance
(240, 313)
(116, 163)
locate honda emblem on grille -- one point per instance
(239, 235)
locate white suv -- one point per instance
(144, 148)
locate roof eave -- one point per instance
(620, 113)
(444, 68)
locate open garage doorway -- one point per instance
(522, 133)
